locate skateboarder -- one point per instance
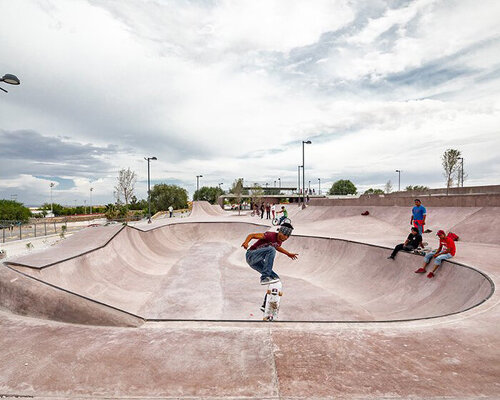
(445, 251)
(260, 256)
(418, 215)
(413, 241)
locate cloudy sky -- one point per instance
(229, 89)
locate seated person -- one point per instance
(445, 251)
(413, 241)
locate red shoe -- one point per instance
(430, 275)
(420, 271)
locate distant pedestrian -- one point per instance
(262, 208)
(171, 211)
(273, 210)
(418, 215)
(268, 211)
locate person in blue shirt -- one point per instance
(418, 215)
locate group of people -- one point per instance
(445, 251)
(269, 209)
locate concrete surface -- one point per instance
(454, 356)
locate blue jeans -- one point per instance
(439, 259)
(282, 219)
(262, 261)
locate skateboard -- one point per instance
(273, 297)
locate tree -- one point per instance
(388, 187)
(163, 196)
(210, 194)
(237, 190)
(374, 191)
(416, 188)
(11, 210)
(343, 187)
(57, 209)
(126, 185)
(449, 161)
(256, 192)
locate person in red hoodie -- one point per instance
(445, 251)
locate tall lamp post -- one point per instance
(462, 171)
(319, 186)
(399, 179)
(298, 181)
(304, 142)
(198, 181)
(10, 79)
(279, 182)
(91, 189)
(52, 184)
(149, 159)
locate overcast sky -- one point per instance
(229, 89)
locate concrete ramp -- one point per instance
(197, 271)
(205, 209)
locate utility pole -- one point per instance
(304, 173)
(399, 179)
(149, 159)
(91, 189)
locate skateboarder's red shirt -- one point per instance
(270, 239)
(447, 243)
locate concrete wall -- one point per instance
(490, 189)
(464, 200)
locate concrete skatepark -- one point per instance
(170, 310)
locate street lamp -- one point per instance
(220, 184)
(91, 189)
(198, 181)
(52, 184)
(149, 159)
(399, 179)
(462, 170)
(319, 186)
(304, 172)
(11, 80)
(298, 181)
(279, 182)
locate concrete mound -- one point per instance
(197, 271)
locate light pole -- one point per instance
(10, 79)
(52, 184)
(462, 171)
(274, 184)
(399, 179)
(298, 181)
(319, 186)
(91, 189)
(304, 172)
(85, 207)
(220, 184)
(279, 182)
(149, 159)
(198, 181)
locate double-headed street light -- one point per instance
(11, 80)
(399, 179)
(149, 159)
(304, 142)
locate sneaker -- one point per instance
(263, 308)
(430, 275)
(390, 258)
(269, 280)
(420, 271)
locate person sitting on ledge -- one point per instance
(413, 241)
(445, 251)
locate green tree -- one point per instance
(11, 210)
(449, 161)
(210, 194)
(416, 188)
(237, 190)
(256, 192)
(163, 196)
(57, 209)
(374, 191)
(343, 187)
(138, 204)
